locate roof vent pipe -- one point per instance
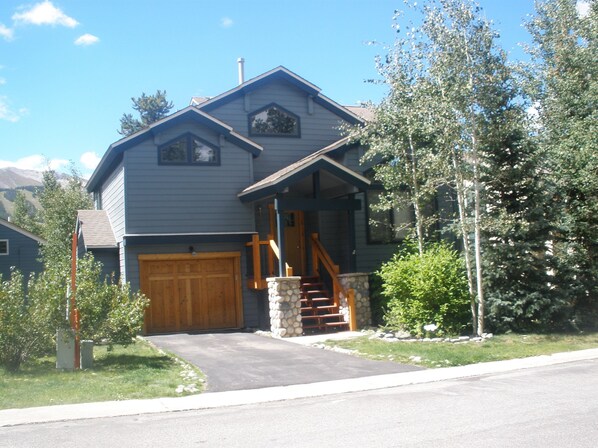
(241, 63)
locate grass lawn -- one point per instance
(136, 371)
(442, 354)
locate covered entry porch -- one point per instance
(297, 209)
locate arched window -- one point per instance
(188, 150)
(273, 121)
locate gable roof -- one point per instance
(96, 229)
(11, 226)
(281, 179)
(280, 73)
(190, 113)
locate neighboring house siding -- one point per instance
(113, 200)
(251, 299)
(186, 199)
(23, 253)
(317, 130)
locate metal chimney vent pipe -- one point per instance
(241, 63)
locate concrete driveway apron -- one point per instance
(239, 361)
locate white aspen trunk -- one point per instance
(419, 228)
(465, 236)
(477, 239)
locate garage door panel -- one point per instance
(192, 293)
(162, 310)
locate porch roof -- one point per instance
(294, 173)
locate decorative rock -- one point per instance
(360, 284)
(284, 296)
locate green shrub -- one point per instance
(24, 323)
(430, 289)
(108, 312)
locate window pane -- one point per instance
(3, 247)
(203, 153)
(175, 152)
(403, 221)
(274, 121)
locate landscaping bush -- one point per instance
(24, 323)
(108, 312)
(427, 289)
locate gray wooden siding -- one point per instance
(23, 253)
(110, 263)
(317, 130)
(369, 257)
(186, 199)
(251, 299)
(113, 200)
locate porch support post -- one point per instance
(284, 296)
(280, 236)
(316, 184)
(352, 246)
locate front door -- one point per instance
(294, 238)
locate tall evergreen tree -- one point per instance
(565, 34)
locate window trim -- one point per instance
(189, 137)
(7, 247)
(279, 107)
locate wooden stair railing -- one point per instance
(259, 282)
(320, 256)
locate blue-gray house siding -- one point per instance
(23, 251)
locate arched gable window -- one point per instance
(188, 149)
(274, 121)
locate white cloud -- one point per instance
(7, 113)
(44, 13)
(2, 81)
(6, 32)
(35, 162)
(583, 8)
(90, 160)
(226, 22)
(87, 39)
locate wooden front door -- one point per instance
(189, 293)
(294, 238)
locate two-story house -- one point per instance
(200, 207)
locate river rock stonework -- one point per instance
(284, 296)
(359, 282)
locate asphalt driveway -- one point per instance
(238, 361)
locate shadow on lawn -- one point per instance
(119, 361)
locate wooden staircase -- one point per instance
(319, 314)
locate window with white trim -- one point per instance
(3, 247)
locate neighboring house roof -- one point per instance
(288, 76)
(115, 151)
(281, 179)
(96, 229)
(365, 113)
(22, 231)
(197, 100)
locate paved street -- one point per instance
(551, 406)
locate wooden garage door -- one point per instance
(191, 292)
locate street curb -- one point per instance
(58, 413)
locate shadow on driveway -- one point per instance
(238, 361)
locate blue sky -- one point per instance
(68, 68)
